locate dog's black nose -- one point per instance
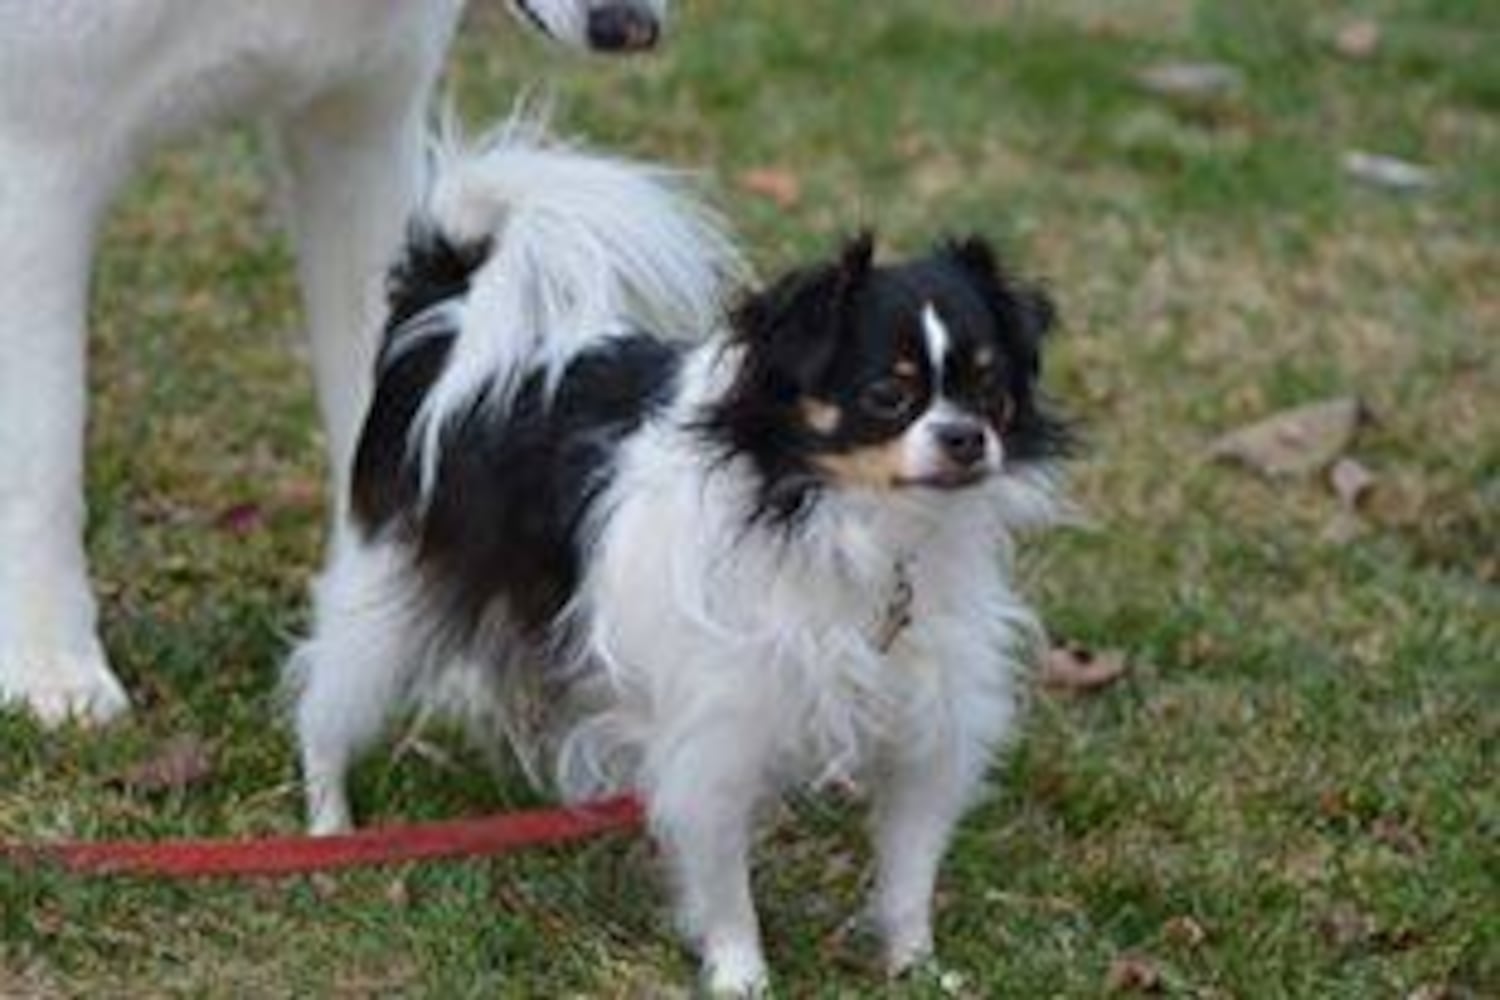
(622, 27)
(962, 443)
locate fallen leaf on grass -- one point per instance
(1389, 172)
(241, 519)
(1351, 482)
(180, 763)
(1184, 931)
(773, 183)
(1076, 669)
(1191, 81)
(1333, 804)
(1133, 974)
(1296, 441)
(1358, 39)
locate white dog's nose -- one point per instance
(622, 27)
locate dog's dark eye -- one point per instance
(888, 398)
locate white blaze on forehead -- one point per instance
(938, 340)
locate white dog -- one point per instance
(86, 88)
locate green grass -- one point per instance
(1304, 758)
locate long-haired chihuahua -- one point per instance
(700, 548)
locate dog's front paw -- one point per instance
(907, 950)
(735, 971)
(57, 686)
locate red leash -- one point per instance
(485, 835)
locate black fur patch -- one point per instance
(431, 270)
(516, 483)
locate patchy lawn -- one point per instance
(1293, 792)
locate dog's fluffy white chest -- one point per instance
(791, 650)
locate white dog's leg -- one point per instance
(350, 675)
(355, 162)
(701, 803)
(50, 656)
(917, 805)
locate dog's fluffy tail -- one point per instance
(573, 248)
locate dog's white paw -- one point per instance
(330, 821)
(907, 950)
(735, 971)
(328, 812)
(59, 686)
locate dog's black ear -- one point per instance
(974, 255)
(794, 327)
(1025, 312)
(855, 261)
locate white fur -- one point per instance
(718, 666)
(587, 247)
(935, 333)
(87, 87)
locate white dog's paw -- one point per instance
(330, 819)
(907, 951)
(735, 971)
(58, 686)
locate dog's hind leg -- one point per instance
(349, 676)
(51, 200)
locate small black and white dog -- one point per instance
(703, 571)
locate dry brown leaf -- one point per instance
(1078, 670)
(1133, 974)
(773, 183)
(179, 763)
(1358, 39)
(1184, 931)
(1351, 482)
(1296, 441)
(1333, 804)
